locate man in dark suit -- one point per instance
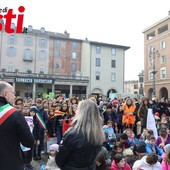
(14, 130)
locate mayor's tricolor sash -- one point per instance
(5, 112)
(40, 121)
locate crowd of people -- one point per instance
(128, 143)
(95, 133)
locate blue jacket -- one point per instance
(149, 149)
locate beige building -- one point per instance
(39, 63)
(131, 87)
(141, 83)
(157, 59)
(107, 68)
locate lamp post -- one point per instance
(152, 55)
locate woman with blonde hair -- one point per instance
(82, 143)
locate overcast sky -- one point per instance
(119, 22)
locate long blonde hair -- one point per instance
(89, 122)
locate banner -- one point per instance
(151, 123)
(29, 120)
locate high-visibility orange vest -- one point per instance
(127, 117)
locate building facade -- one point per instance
(157, 59)
(40, 63)
(107, 68)
(141, 83)
(131, 87)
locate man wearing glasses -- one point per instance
(14, 130)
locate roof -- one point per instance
(109, 45)
(156, 24)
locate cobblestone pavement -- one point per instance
(36, 164)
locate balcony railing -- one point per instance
(46, 76)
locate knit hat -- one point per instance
(54, 147)
(114, 102)
(157, 116)
(33, 109)
(167, 148)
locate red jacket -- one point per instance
(115, 167)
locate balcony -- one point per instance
(26, 58)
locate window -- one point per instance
(11, 51)
(150, 75)
(30, 28)
(10, 68)
(27, 54)
(42, 54)
(42, 70)
(163, 59)
(114, 51)
(74, 45)
(135, 86)
(43, 43)
(74, 55)
(162, 44)
(163, 73)
(141, 86)
(98, 49)
(151, 35)
(57, 67)
(97, 75)
(57, 43)
(28, 41)
(42, 30)
(73, 67)
(151, 62)
(113, 77)
(11, 39)
(57, 64)
(113, 63)
(163, 29)
(140, 79)
(97, 62)
(27, 69)
(150, 50)
(57, 53)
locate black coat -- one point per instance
(13, 131)
(75, 153)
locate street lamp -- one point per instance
(153, 53)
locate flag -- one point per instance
(40, 121)
(151, 123)
(57, 113)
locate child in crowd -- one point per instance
(51, 164)
(166, 158)
(119, 163)
(152, 147)
(51, 124)
(26, 109)
(100, 162)
(131, 135)
(27, 152)
(117, 149)
(103, 161)
(36, 133)
(110, 134)
(163, 138)
(149, 162)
